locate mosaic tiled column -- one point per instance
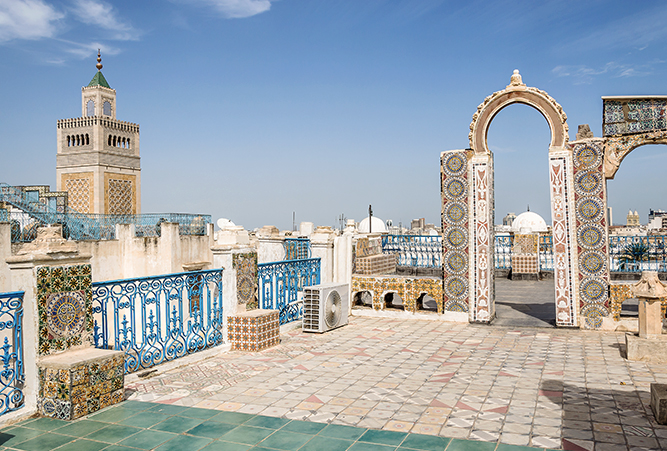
(560, 187)
(455, 194)
(592, 247)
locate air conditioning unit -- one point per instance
(325, 307)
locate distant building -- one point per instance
(509, 219)
(652, 214)
(632, 219)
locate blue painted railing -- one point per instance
(281, 282)
(161, 318)
(297, 248)
(638, 253)
(12, 375)
(546, 253)
(503, 251)
(81, 226)
(420, 251)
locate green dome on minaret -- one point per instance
(98, 79)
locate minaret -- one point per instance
(98, 161)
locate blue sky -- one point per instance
(253, 109)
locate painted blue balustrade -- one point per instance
(83, 226)
(297, 248)
(503, 251)
(281, 282)
(638, 253)
(420, 251)
(161, 318)
(546, 252)
(12, 376)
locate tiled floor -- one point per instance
(141, 425)
(541, 387)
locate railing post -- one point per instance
(322, 244)
(270, 248)
(23, 269)
(5, 252)
(239, 279)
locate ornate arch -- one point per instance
(468, 210)
(517, 92)
(618, 147)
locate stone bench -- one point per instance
(659, 402)
(79, 382)
(254, 330)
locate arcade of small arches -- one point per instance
(78, 140)
(118, 141)
(90, 108)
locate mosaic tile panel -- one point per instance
(246, 279)
(408, 288)
(376, 264)
(560, 180)
(81, 386)
(366, 247)
(619, 293)
(525, 264)
(627, 116)
(455, 195)
(254, 331)
(591, 236)
(64, 298)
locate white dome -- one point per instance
(529, 222)
(378, 225)
(224, 223)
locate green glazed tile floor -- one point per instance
(134, 425)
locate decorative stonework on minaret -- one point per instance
(98, 161)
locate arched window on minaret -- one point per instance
(90, 108)
(87, 139)
(78, 140)
(109, 141)
(69, 141)
(128, 143)
(107, 108)
(114, 141)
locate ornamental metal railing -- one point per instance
(418, 251)
(297, 248)
(33, 213)
(546, 253)
(503, 251)
(158, 319)
(12, 375)
(281, 283)
(638, 253)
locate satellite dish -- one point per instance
(389, 223)
(224, 223)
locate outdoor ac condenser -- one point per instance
(325, 307)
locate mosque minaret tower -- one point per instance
(98, 161)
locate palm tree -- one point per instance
(633, 253)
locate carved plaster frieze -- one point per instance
(618, 147)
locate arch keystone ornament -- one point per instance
(478, 297)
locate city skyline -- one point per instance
(252, 110)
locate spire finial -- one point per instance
(99, 60)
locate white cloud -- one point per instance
(98, 13)
(582, 74)
(237, 9)
(27, 19)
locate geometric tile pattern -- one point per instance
(455, 193)
(591, 236)
(64, 298)
(246, 279)
(80, 387)
(622, 117)
(524, 254)
(408, 288)
(79, 187)
(254, 331)
(561, 182)
(120, 197)
(376, 264)
(501, 386)
(366, 247)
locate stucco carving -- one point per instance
(517, 92)
(618, 147)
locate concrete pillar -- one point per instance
(322, 246)
(649, 290)
(270, 245)
(5, 252)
